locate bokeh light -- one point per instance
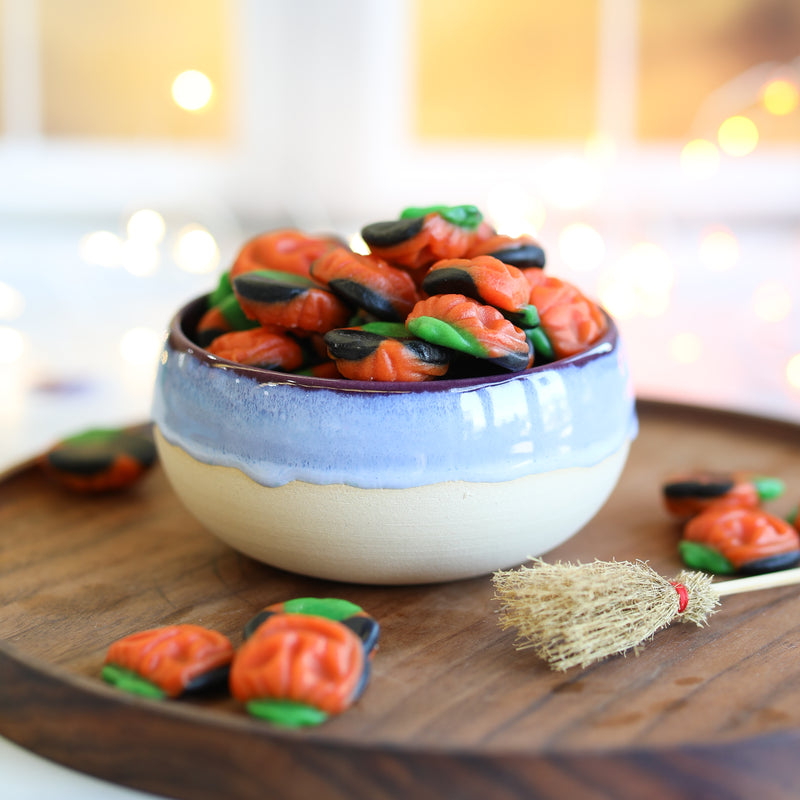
(738, 136)
(581, 247)
(101, 248)
(12, 303)
(12, 345)
(640, 283)
(686, 348)
(570, 182)
(358, 245)
(192, 90)
(772, 301)
(196, 251)
(699, 159)
(140, 258)
(793, 371)
(719, 249)
(780, 97)
(514, 211)
(146, 225)
(140, 346)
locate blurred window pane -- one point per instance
(108, 67)
(700, 63)
(510, 69)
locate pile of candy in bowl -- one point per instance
(440, 293)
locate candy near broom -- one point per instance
(575, 614)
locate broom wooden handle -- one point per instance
(769, 580)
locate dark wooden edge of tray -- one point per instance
(64, 718)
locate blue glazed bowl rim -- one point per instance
(187, 317)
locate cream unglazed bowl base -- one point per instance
(439, 532)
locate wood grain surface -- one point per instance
(452, 709)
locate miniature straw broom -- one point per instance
(576, 614)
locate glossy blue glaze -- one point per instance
(277, 428)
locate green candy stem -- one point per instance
(463, 216)
(525, 317)
(224, 289)
(541, 344)
(768, 488)
(132, 682)
(391, 330)
(287, 713)
(700, 557)
(230, 309)
(437, 331)
(328, 607)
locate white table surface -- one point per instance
(72, 376)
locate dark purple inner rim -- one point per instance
(187, 318)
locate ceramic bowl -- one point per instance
(391, 483)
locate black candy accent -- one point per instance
(352, 344)
(212, 681)
(366, 628)
(700, 486)
(386, 234)
(521, 256)
(360, 296)
(261, 289)
(255, 621)
(98, 457)
(774, 563)
(450, 280)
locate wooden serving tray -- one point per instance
(452, 709)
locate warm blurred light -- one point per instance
(738, 136)
(793, 371)
(513, 211)
(196, 251)
(719, 249)
(192, 90)
(780, 97)
(358, 245)
(618, 298)
(686, 348)
(581, 247)
(601, 149)
(12, 345)
(140, 258)
(772, 301)
(147, 226)
(12, 303)
(141, 346)
(570, 183)
(102, 248)
(699, 159)
(640, 283)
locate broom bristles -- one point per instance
(576, 614)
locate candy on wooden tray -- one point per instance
(304, 660)
(291, 301)
(691, 493)
(464, 324)
(101, 459)
(169, 661)
(286, 250)
(367, 282)
(385, 351)
(727, 540)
